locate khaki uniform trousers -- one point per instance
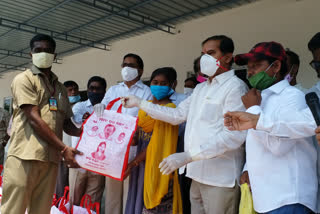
(116, 193)
(85, 182)
(28, 184)
(206, 199)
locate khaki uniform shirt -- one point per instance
(4, 123)
(34, 88)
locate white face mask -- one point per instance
(42, 60)
(187, 91)
(209, 65)
(129, 73)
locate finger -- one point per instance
(229, 114)
(253, 90)
(243, 98)
(77, 152)
(123, 100)
(163, 162)
(76, 165)
(231, 128)
(258, 93)
(317, 130)
(168, 171)
(164, 168)
(227, 120)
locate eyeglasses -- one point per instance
(315, 65)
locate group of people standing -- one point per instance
(190, 151)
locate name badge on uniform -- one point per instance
(53, 105)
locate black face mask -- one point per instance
(95, 97)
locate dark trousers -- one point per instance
(62, 179)
(185, 184)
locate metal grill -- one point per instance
(80, 24)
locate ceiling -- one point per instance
(77, 25)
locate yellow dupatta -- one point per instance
(163, 143)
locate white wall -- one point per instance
(290, 22)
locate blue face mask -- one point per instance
(74, 99)
(160, 92)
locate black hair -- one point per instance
(283, 69)
(137, 58)
(314, 43)
(101, 80)
(293, 57)
(169, 72)
(70, 83)
(196, 65)
(226, 43)
(43, 37)
(193, 79)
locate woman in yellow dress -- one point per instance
(149, 190)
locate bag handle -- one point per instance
(111, 103)
(85, 201)
(54, 200)
(65, 198)
(96, 206)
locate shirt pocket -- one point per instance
(211, 111)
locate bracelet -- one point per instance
(64, 149)
(136, 163)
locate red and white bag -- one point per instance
(105, 142)
(61, 205)
(86, 206)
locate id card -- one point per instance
(53, 105)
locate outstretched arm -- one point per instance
(173, 116)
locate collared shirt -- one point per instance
(120, 90)
(206, 136)
(4, 123)
(32, 87)
(79, 109)
(177, 98)
(281, 163)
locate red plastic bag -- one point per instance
(86, 206)
(106, 142)
(61, 205)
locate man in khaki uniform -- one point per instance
(4, 137)
(41, 111)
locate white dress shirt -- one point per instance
(79, 109)
(281, 162)
(205, 136)
(121, 90)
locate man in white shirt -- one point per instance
(314, 47)
(132, 70)
(213, 154)
(63, 171)
(281, 167)
(293, 64)
(189, 85)
(82, 181)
